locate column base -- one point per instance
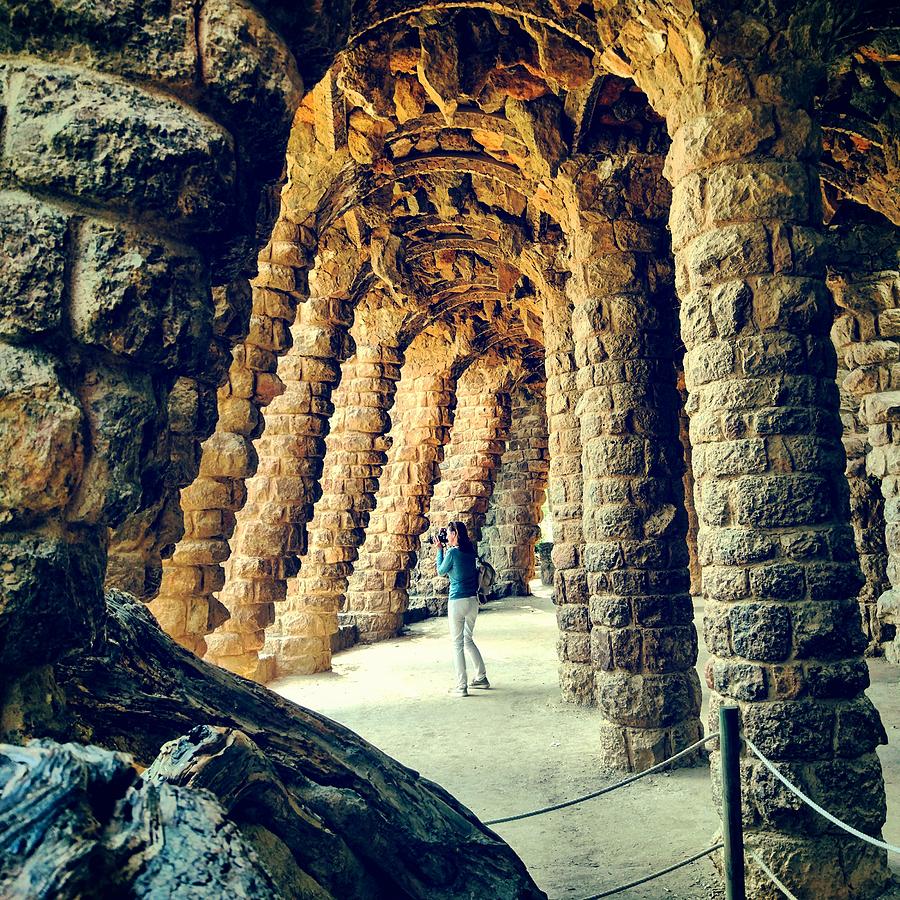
(630, 749)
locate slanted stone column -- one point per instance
(565, 492)
(864, 278)
(780, 572)
(512, 523)
(467, 472)
(377, 593)
(187, 606)
(300, 639)
(271, 530)
(643, 641)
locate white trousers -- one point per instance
(461, 613)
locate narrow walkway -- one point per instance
(517, 747)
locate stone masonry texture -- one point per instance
(286, 287)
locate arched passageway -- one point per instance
(286, 288)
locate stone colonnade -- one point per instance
(512, 523)
(299, 641)
(272, 527)
(186, 605)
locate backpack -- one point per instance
(486, 578)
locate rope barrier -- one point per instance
(609, 788)
(772, 876)
(812, 803)
(660, 873)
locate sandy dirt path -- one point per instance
(518, 747)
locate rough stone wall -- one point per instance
(467, 471)
(132, 175)
(299, 641)
(512, 522)
(377, 592)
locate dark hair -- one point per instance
(465, 545)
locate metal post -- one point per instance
(732, 825)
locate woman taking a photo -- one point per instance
(459, 563)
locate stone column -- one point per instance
(882, 412)
(300, 639)
(780, 572)
(864, 278)
(643, 641)
(693, 525)
(512, 523)
(565, 492)
(122, 205)
(377, 593)
(467, 472)
(187, 606)
(866, 516)
(271, 530)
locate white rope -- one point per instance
(661, 872)
(772, 876)
(812, 803)
(610, 787)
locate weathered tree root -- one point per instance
(78, 822)
(358, 823)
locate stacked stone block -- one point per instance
(299, 642)
(463, 493)
(565, 492)
(780, 571)
(377, 593)
(512, 523)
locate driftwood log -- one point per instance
(318, 802)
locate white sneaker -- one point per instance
(481, 683)
(458, 692)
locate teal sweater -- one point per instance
(462, 570)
